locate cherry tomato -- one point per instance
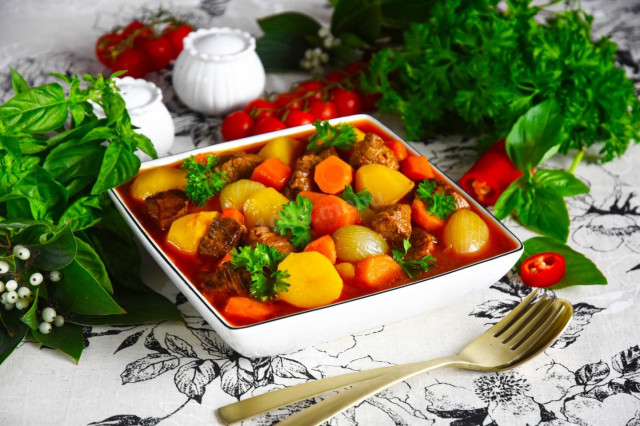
(260, 108)
(335, 76)
(323, 110)
(237, 125)
(543, 269)
(268, 124)
(175, 35)
(106, 47)
(313, 88)
(134, 61)
(136, 31)
(158, 50)
(296, 117)
(347, 102)
(288, 100)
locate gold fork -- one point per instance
(526, 331)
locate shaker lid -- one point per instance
(219, 44)
(139, 95)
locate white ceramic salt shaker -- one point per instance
(218, 71)
(143, 100)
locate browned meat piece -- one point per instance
(422, 244)
(440, 187)
(302, 177)
(327, 152)
(238, 165)
(223, 235)
(372, 150)
(227, 281)
(393, 223)
(262, 234)
(165, 207)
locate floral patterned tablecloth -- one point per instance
(171, 373)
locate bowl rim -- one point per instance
(253, 140)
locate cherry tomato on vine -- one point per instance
(158, 50)
(237, 125)
(260, 108)
(313, 88)
(347, 102)
(268, 124)
(137, 31)
(134, 61)
(322, 110)
(288, 100)
(175, 35)
(296, 117)
(543, 269)
(106, 46)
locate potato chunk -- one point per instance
(185, 233)
(313, 280)
(158, 180)
(386, 185)
(263, 207)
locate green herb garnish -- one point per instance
(203, 181)
(294, 221)
(339, 136)
(262, 263)
(360, 200)
(437, 202)
(411, 267)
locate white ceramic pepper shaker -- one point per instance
(218, 71)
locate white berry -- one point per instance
(3, 298)
(4, 267)
(21, 252)
(12, 297)
(48, 314)
(59, 321)
(2, 287)
(11, 285)
(22, 304)
(44, 328)
(36, 278)
(24, 292)
(8, 306)
(55, 276)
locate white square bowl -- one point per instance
(286, 334)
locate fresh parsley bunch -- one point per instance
(411, 267)
(203, 181)
(339, 136)
(360, 200)
(262, 263)
(437, 203)
(294, 220)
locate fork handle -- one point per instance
(324, 410)
(251, 407)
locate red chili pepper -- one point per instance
(543, 269)
(487, 179)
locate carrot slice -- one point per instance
(376, 271)
(332, 174)
(247, 309)
(398, 148)
(272, 172)
(423, 218)
(325, 246)
(416, 167)
(233, 214)
(330, 213)
(311, 195)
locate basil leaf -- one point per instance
(544, 212)
(118, 166)
(536, 136)
(559, 182)
(144, 144)
(290, 22)
(18, 82)
(360, 17)
(70, 160)
(84, 213)
(579, 269)
(401, 13)
(37, 110)
(8, 342)
(99, 133)
(46, 197)
(68, 339)
(281, 51)
(510, 199)
(11, 144)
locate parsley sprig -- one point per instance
(339, 136)
(411, 267)
(437, 202)
(262, 263)
(203, 181)
(360, 200)
(295, 221)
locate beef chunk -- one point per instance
(327, 152)
(393, 223)
(302, 176)
(262, 234)
(372, 150)
(227, 281)
(238, 165)
(223, 235)
(441, 187)
(422, 244)
(165, 207)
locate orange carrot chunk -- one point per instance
(416, 167)
(272, 172)
(246, 309)
(330, 213)
(421, 216)
(325, 246)
(311, 195)
(376, 271)
(332, 174)
(233, 214)
(398, 148)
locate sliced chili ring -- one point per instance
(543, 269)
